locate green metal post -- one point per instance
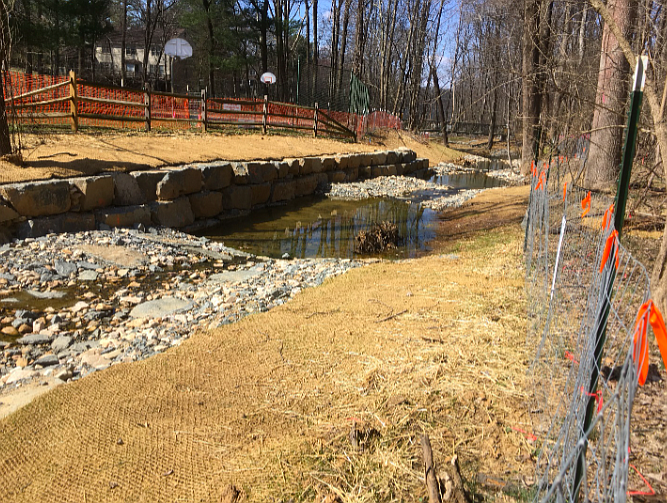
(619, 218)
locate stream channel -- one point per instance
(319, 227)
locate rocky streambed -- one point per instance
(72, 304)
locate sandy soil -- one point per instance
(68, 155)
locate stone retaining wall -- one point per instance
(190, 197)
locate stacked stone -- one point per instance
(189, 198)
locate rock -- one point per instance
(241, 176)
(179, 182)
(88, 276)
(7, 214)
(24, 328)
(21, 362)
(127, 191)
(261, 172)
(49, 294)
(305, 185)
(148, 182)
(283, 191)
(98, 191)
(47, 360)
(59, 224)
(34, 339)
(79, 306)
(260, 194)
(18, 374)
(124, 217)
(237, 198)
(311, 165)
(216, 176)
(61, 343)
(64, 374)
(160, 308)
(10, 331)
(206, 204)
(235, 276)
(175, 214)
(36, 199)
(64, 268)
(92, 358)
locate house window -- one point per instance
(106, 49)
(155, 50)
(129, 67)
(130, 50)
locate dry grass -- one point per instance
(432, 345)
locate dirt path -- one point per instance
(67, 155)
(325, 395)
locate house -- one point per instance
(108, 54)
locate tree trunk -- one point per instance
(211, 48)
(123, 42)
(604, 155)
(532, 100)
(5, 44)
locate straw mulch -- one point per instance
(324, 398)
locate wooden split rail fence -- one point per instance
(84, 103)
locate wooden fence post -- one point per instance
(147, 109)
(73, 101)
(317, 107)
(204, 109)
(265, 112)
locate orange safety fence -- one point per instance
(45, 100)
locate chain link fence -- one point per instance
(585, 291)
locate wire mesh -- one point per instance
(584, 290)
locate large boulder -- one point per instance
(127, 191)
(36, 199)
(206, 204)
(126, 216)
(260, 193)
(217, 175)
(57, 224)
(305, 185)
(261, 172)
(237, 197)
(283, 191)
(7, 214)
(148, 182)
(97, 191)
(179, 182)
(241, 176)
(175, 214)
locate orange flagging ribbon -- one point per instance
(648, 311)
(598, 397)
(586, 204)
(612, 240)
(533, 169)
(608, 214)
(541, 183)
(564, 191)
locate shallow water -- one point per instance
(318, 227)
(475, 180)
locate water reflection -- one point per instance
(317, 227)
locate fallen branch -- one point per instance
(391, 316)
(429, 472)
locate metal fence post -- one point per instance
(619, 218)
(73, 101)
(204, 110)
(265, 112)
